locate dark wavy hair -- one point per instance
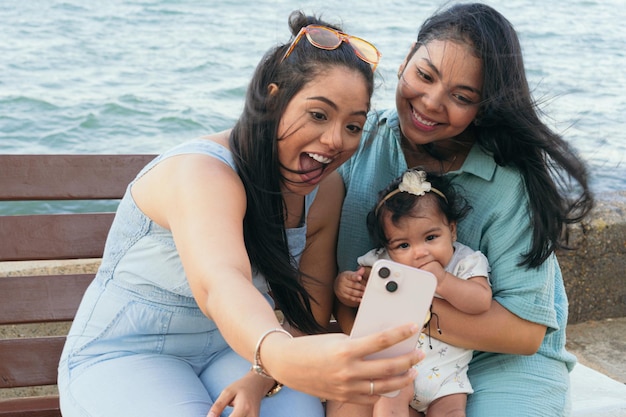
(253, 142)
(401, 205)
(509, 126)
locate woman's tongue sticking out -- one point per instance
(311, 168)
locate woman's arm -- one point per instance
(319, 260)
(471, 295)
(497, 330)
(202, 201)
(320, 257)
(523, 298)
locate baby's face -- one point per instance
(416, 241)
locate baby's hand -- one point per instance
(349, 287)
(436, 269)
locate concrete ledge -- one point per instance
(71, 266)
(600, 345)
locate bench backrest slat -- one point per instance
(30, 361)
(67, 177)
(43, 298)
(54, 236)
(45, 406)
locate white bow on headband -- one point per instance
(413, 182)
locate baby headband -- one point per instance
(413, 182)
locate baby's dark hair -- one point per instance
(402, 204)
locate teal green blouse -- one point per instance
(498, 225)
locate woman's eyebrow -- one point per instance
(434, 69)
(334, 106)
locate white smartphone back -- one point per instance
(395, 294)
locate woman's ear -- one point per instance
(401, 70)
(406, 59)
(272, 89)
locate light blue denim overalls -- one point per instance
(139, 345)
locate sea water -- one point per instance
(139, 76)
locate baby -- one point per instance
(415, 223)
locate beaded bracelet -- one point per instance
(275, 389)
(257, 366)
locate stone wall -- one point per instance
(595, 272)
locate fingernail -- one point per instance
(422, 355)
(415, 328)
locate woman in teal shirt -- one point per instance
(464, 108)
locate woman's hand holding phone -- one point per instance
(395, 294)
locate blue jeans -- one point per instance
(130, 354)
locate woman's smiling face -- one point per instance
(321, 127)
(439, 91)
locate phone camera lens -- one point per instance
(391, 286)
(384, 272)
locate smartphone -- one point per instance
(395, 294)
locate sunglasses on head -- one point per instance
(326, 38)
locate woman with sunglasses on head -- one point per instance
(464, 109)
(179, 320)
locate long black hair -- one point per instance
(509, 126)
(253, 142)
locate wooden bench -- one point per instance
(32, 361)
